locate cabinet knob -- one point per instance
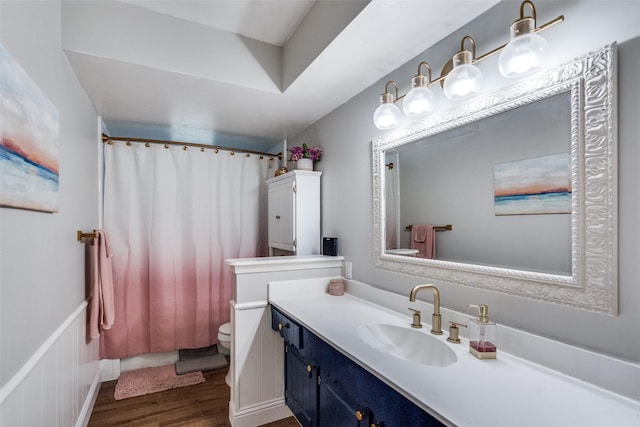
(277, 216)
(359, 416)
(309, 368)
(280, 326)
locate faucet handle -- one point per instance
(417, 322)
(454, 331)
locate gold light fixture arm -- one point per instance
(473, 46)
(549, 24)
(533, 9)
(386, 89)
(426, 64)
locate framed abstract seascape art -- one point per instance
(541, 185)
(29, 164)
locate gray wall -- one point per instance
(345, 136)
(41, 264)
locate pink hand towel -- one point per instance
(423, 238)
(419, 233)
(102, 309)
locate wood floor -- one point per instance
(200, 405)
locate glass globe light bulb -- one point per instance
(464, 80)
(387, 115)
(524, 54)
(420, 100)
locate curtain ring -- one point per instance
(166, 145)
(147, 145)
(232, 153)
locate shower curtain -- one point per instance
(173, 215)
(392, 196)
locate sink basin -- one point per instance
(408, 344)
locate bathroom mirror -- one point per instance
(444, 171)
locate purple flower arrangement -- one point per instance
(305, 152)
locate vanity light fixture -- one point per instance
(420, 100)
(465, 79)
(522, 56)
(387, 115)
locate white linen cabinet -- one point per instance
(294, 213)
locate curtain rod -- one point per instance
(106, 139)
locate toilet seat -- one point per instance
(224, 332)
(224, 345)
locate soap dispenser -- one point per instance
(482, 334)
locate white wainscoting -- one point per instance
(58, 385)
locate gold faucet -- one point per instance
(436, 323)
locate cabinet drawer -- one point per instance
(288, 329)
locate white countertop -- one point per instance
(508, 391)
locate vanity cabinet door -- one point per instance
(301, 387)
(338, 409)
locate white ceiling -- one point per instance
(264, 69)
(269, 21)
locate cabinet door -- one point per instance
(301, 387)
(338, 408)
(281, 209)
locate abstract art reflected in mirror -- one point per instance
(546, 145)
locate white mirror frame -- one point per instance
(593, 283)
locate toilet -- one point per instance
(224, 341)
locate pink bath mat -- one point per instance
(152, 380)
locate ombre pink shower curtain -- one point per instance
(173, 216)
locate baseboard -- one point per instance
(89, 403)
(263, 413)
